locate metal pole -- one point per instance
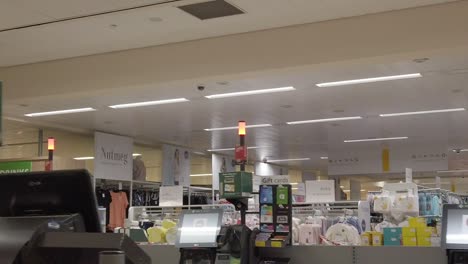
(40, 143)
(242, 143)
(111, 257)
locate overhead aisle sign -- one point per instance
(15, 167)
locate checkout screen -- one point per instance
(199, 228)
(457, 227)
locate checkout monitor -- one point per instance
(455, 227)
(51, 193)
(199, 228)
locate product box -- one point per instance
(409, 231)
(393, 241)
(392, 233)
(425, 231)
(424, 241)
(435, 241)
(235, 184)
(417, 222)
(410, 241)
(366, 239)
(377, 239)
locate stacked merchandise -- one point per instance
(315, 224)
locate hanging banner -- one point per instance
(220, 164)
(15, 167)
(113, 157)
(176, 166)
(320, 191)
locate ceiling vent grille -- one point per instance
(211, 9)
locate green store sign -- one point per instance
(15, 167)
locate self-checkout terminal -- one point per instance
(455, 233)
(202, 239)
(52, 218)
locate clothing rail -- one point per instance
(136, 211)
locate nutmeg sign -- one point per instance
(113, 156)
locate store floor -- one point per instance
(329, 255)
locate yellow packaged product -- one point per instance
(417, 222)
(424, 241)
(425, 231)
(366, 239)
(377, 239)
(410, 241)
(409, 231)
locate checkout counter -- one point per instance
(51, 217)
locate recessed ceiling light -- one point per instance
(286, 160)
(155, 19)
(421, 60)
(61, 112)
(83, 158)
(136, 154)
(235, 127)
(324, 120)
(149, 103)
(295, 188)
(201, 175)
(425, 112)
(341, 186)
(324, 158)
(252, 92)
(370, 80)
(227, 149)
(363, 190)
(459, 150)
(374, 139)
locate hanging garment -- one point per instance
(104, 199)
(309, 234)
(343, 234)
(118, 209)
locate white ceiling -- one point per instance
(134, 29)
(443, 86)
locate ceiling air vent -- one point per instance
(211, 9)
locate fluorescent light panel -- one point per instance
(324, 120)
(285, 160)
(201, 175)
(251, 92)
(450, 171)
(374, 139)
(235, 127)
(83, 158)
(149, 103)
(324, 158)
(370, 80)
(424, 112)
(136, 154)
(61, 112)
(228, 149)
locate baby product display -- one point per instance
(328, 224)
